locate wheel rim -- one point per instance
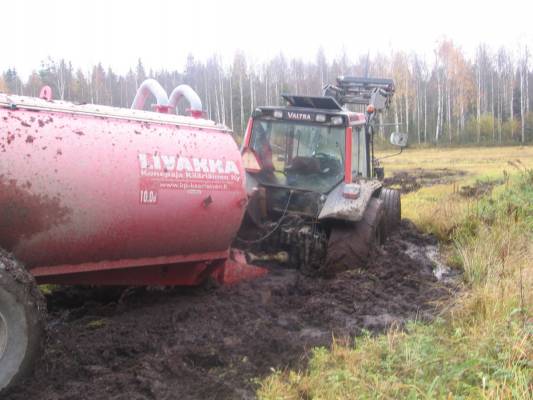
(3, 335)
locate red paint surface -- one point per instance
(348, 162)
(226, 271)
(75, 200)
(236, 269)
(44, 272)
(46, 93)
(196, 113)
(152, 275)
(248, 134)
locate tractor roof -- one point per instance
(305, 108)
(374, 93)
(320, 102)
(308, 114)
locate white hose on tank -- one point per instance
(191, 96)
(147, 88)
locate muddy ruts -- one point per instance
(215, 343)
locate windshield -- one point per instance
(299, 155)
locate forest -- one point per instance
(446, 99)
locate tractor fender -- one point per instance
(338, 207)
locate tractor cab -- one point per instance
(309, 166)
(314, 144)
(300, 147)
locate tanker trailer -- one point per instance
(99, 195)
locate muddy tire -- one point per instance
(22, 311)
(393, 210)
(350, 244)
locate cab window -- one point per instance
(294, 154)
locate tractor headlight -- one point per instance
(320, 118)
(336, 120)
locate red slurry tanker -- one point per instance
(100, 195)
(107, 196)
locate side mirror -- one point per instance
(399, 139)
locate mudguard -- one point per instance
(340, 208)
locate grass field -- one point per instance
(481, 161)
(480, 164)
(481, 344)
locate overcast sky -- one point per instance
(163, 32)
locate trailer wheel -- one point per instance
(22, 311)
(350, 244)
(393, 210)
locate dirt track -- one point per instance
(407, 181)
(211, 343)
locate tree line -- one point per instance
(449, 99)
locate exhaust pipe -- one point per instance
(147, 88)
(191, 96)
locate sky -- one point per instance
(163, 32)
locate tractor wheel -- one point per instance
(393, 210)
(22, 311)
(350, 244)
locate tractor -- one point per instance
(315, 190)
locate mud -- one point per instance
(478, 189)
(214, 342)
(23, 214)
(411, 180)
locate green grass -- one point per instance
(481, 346)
